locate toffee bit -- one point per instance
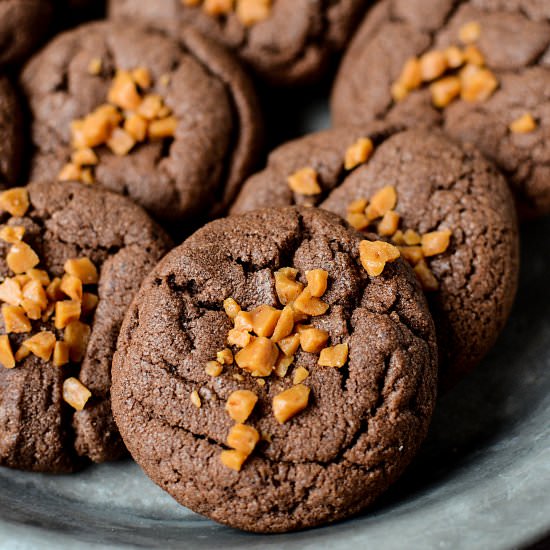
(195, 399)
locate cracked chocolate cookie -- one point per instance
(410, 187)
(71, 258)
(479, 69)
(266, 380)
(285, 41)
(23, 24)
(11, 134)
(173, 125)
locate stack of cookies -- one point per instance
(267, 345)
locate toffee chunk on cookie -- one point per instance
(266, 380)
(445, 206)
(285, 41)
(173, 125)
(71, 259)
(479, 69)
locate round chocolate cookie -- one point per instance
(173, 125)
(285, 41)
(23, 24)
(11, 134)
(487, 64)
(66, 287)
(438, 187)
(326, 430)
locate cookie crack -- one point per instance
(339, 459)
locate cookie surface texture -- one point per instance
(439, 187)
(11, 134)
(173, 125)
(286, 42)
(490, 87)
(67, 282)
(325, 432)
(23, 24)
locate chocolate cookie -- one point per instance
(269, 437)
(11, 134)
(71, 258)
(172, 125)
(23, 24)
(285, 41)
(480, 69)
(437, 187)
